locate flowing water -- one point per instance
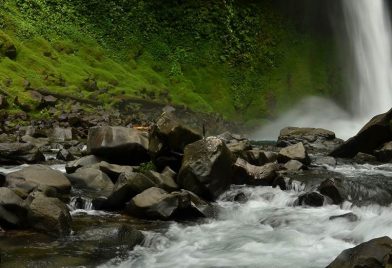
(367, 34)
(266, 231)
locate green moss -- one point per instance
(242, 61)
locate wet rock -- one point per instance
(294, 152)
(127, 186)
(362, 158)
(351, 217)
(333, 190)
(61, 134)
(294, 165)
(164, 180)
(240, 198)
(167, 141)
(92, 179)
(312, 199)
(65, 155)
(118, 145)
(384, 154)
(375, 253)
(112, 170)
(86, 161)
(13, 210)
(36, 175)
(49, 215)
(245, 173)
(257, 157)
(293, 135)
(156, 203)
(371, 137)
(19, 153)
(207, 168)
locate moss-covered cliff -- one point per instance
(242, 59)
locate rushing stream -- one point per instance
(266, 231)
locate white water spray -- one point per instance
(368, 30)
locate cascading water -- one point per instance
(369, 33)
(368, 36)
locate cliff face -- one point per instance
(243, 59)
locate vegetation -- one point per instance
(242, 59)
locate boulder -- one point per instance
(167, 141)
(19, 153)
(294, 165)
(294, 152)
(245, 173)
(164, 180)
(384, 154)
(332, 189)
(375, 253)
(85, 161)
(49, 215)
(293, 135)
(61, 134)
(312, 199)
(156, 203)
(65, 155)
(127, 186)
(372, 136)
(93, 180)
(206, 168)
(118, 145)
(39, 175)
(351, 217)
(13, 210)
(112, 170)
(257, 157)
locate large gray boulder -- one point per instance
(314, 139)
(39, 175)
(245, 173)
(118, 145)
(13, 210)
(93, 180)
(49, 215)
(19, 153)
(206, 168)
(127, 186)
(372, 136)
(375, 253)
(156, 203)
(294, 152)
(167, 141)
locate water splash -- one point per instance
(368, 34)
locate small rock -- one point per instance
(312, 199)
(245, 173)
(331, 189)
(65, 155)
(348, 216)
(19, 153)
(89, 160)
(294, 152)
(294, 165)
(92, 179)
(384, 154)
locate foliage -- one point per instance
(226, 56)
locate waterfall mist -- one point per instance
(367, 35)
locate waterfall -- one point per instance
(369, 33)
